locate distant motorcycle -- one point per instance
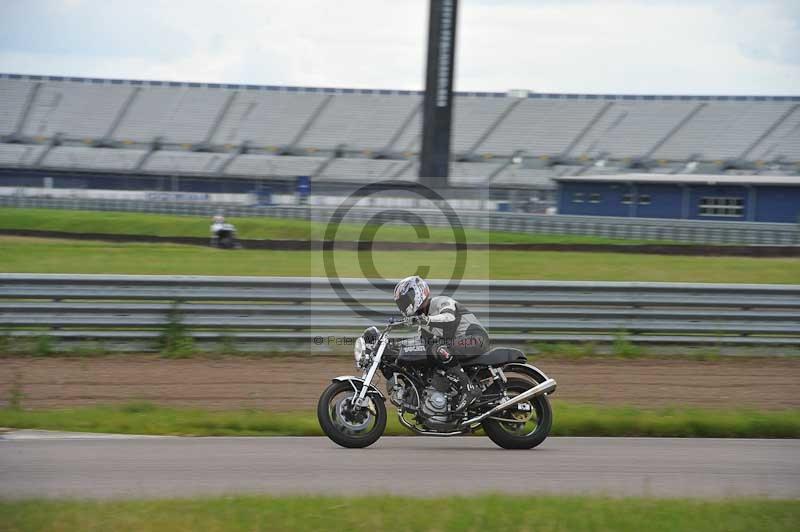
(223, 235)
(513, 409)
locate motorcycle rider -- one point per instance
(223, 233)
(448, 330)
(217, 223)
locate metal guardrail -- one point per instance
(696, 231)
(281, 309)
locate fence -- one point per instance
(697, 231)
(123, 308)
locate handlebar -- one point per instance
(403, 322)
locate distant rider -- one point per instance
(223, 234)
(447, 328)
(217, 224)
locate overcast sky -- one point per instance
(657, 46)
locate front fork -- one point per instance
(370, 373)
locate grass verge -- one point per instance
(126, 223)
(34, 255)
(570, 420)
(488, 512)
(175, 343)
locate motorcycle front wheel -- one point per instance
(348, 426)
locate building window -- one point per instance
(577, 197)
(594, 198)
(717, 206)
(643, 199)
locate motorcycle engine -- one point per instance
(436, 404)
(434, 412)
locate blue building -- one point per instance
(756, 198)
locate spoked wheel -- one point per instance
(347, 424)
(528, 423)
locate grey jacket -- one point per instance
(453, 323)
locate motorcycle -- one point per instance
(513, 408)
(223, 236)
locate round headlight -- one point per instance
(359, 349)
(371, 335)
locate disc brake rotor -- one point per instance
(522, 414)
(519, 419)
(516, 419)
(358, 420)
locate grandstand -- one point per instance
(515, 141)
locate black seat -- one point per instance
(496, 357)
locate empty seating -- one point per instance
(359, 121)
(178, 115)
(516, 175)
(571, 130)
(19, 154)
(722, 130)
(79, 157)
(13, 96)
(253, 165)
(409, 171)
(464, 174)
(783, 142)
(541, 126)
(266, 118)
(311, 119)
(630, 129)
(363, 170)
(76, 111)
(409, 139)
(176, 162)
(472, 117)
(567, 169)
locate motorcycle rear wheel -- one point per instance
(343, 425)
(513, 435)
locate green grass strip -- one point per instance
(484, 513)
(570, 420)
(34, 255)
(127, 223)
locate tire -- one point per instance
(499, 434)
(337, 429)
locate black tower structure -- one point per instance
(438, 103)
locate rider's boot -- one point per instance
(453, 370)
(470, 392)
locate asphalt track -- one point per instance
(143, 467)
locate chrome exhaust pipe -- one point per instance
(547, 386)
(415, 430)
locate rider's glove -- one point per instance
(422, 319)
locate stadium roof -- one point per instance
(339, 90)
(690, 179)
